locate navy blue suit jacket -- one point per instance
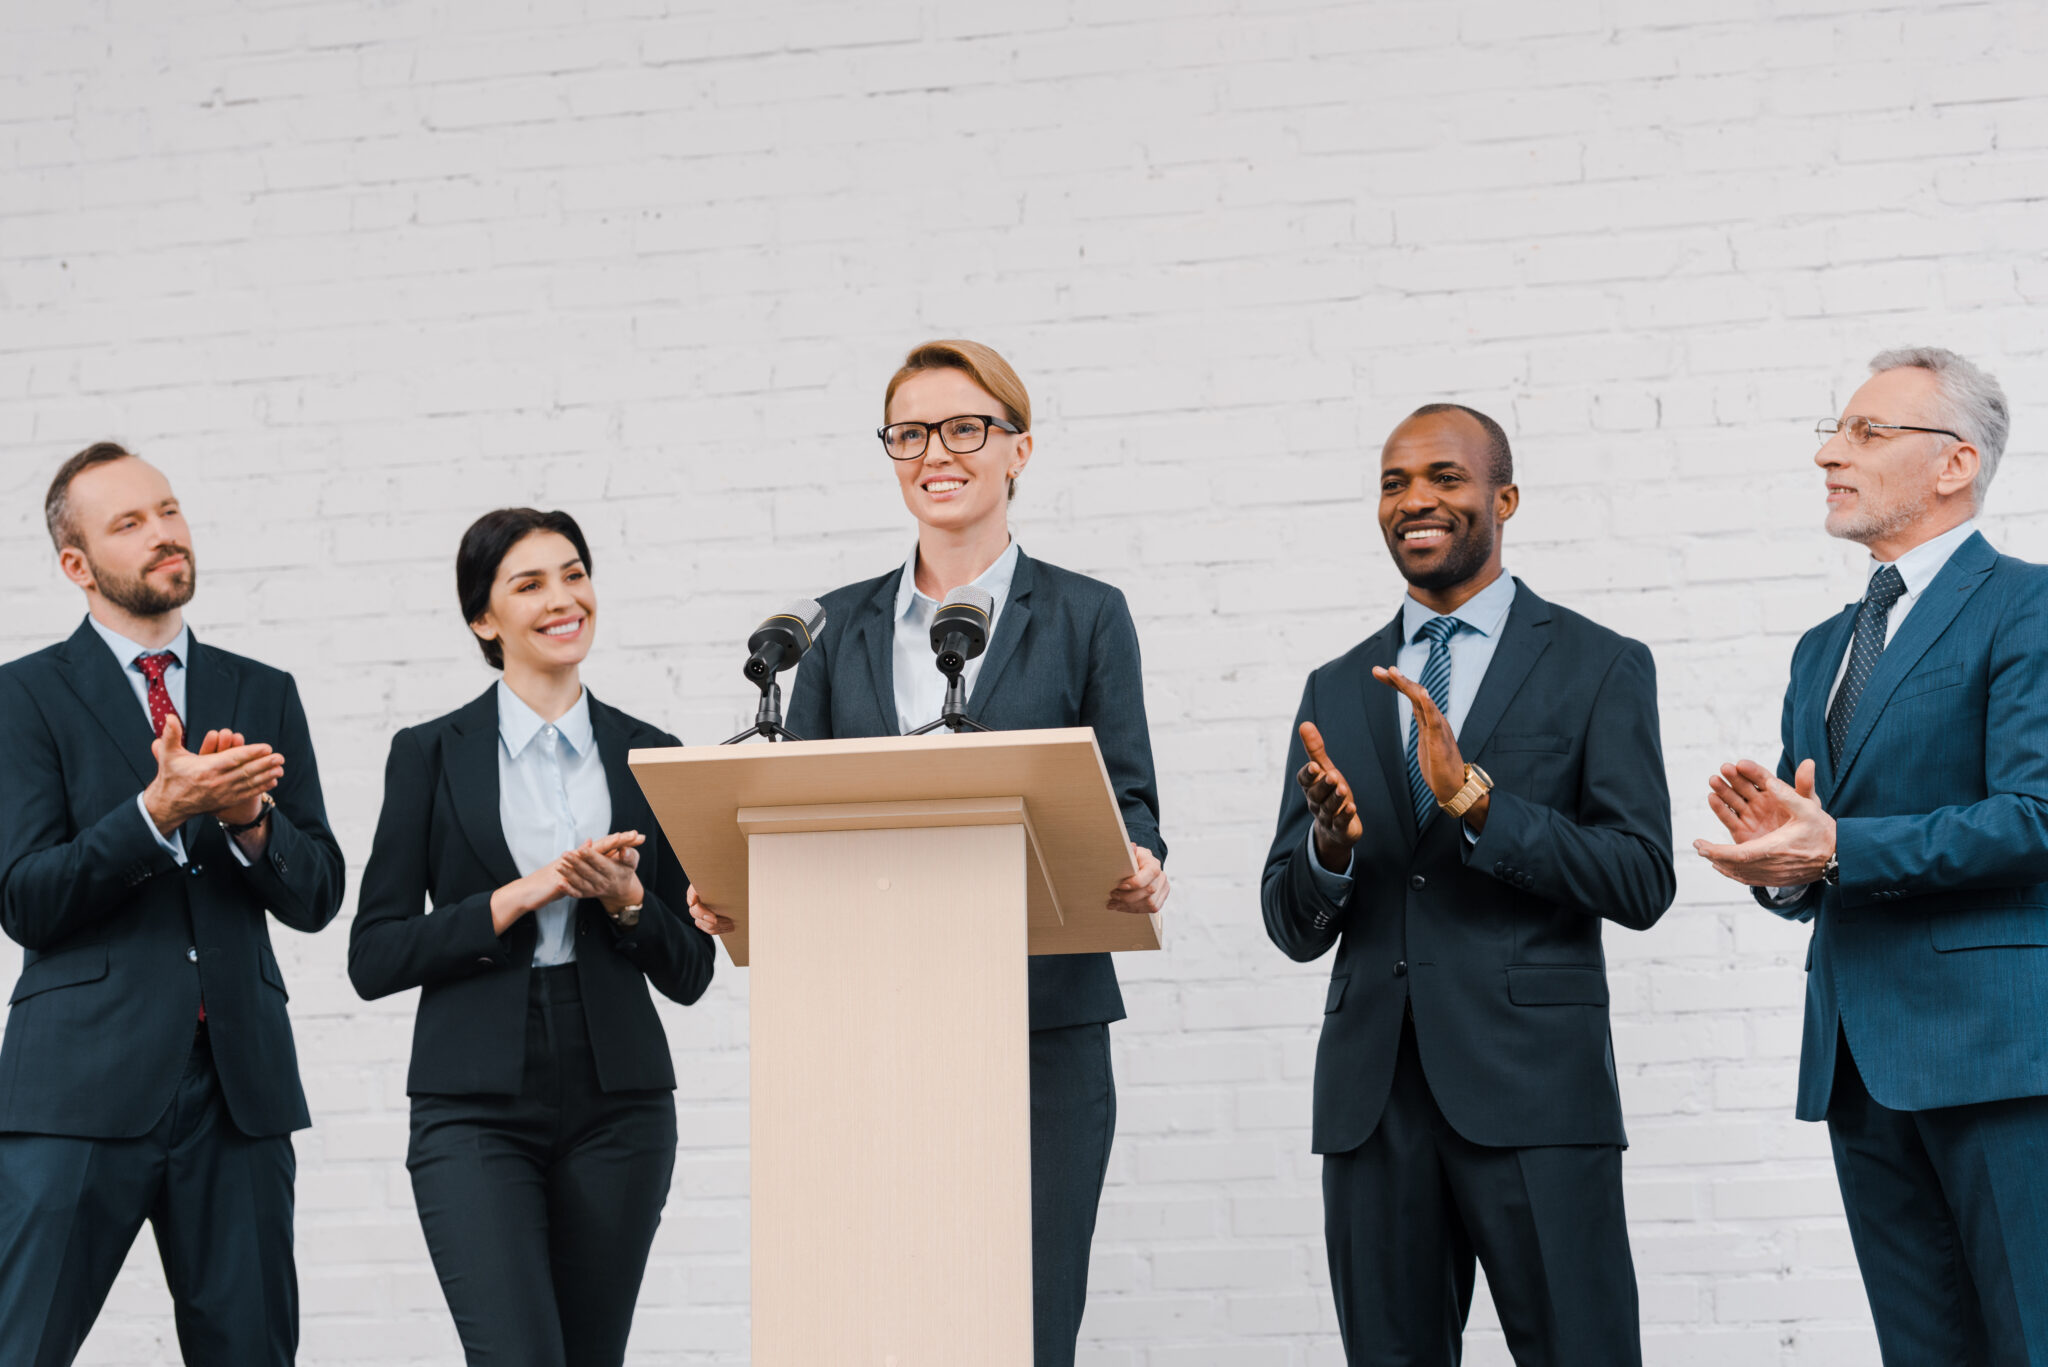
(105, 1009)
(1065, 653)
(1497, 942)
(424, 919)
(1932, 953)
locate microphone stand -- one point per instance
(953, 716)
(767, 718)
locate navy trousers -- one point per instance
(539, 1209)
(1948, 1210)
(219, 1201)
(1407, 1213)
(1073, 1119)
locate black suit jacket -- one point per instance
(1497, 943)
(120, 940)
(1065, 653)
(424, 919)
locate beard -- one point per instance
(1466, 557)
(1881, 523)
(138, 597)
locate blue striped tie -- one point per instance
(1436, 681)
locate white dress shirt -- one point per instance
(1472, 645)
(126, 652)
(920, 687)
(552, 796)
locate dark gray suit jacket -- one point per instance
(121, 940)
(1498, 942)
(1065, 653)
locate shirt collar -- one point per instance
(1918, 566)
(126, 651)
(995, 580)
(1483, 612)
(518, 724)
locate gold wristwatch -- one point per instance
(1477, 785)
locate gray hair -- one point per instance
(1971, 402)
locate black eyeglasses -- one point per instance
(962, 436)
(1858, 429)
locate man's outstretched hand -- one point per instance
(1329, 799)
(1782, 837)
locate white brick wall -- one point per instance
(353, 271)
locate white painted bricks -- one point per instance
(353, 272)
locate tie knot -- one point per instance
(1437, 629)
(153, 666)
(1887, 586)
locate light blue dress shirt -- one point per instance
(920, 688)
(126, 652)
(552, 796)
(1481, 618)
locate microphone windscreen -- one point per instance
(810, 613)
(967, 595)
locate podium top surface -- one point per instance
(697, 793)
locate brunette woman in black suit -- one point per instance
(519, 880)
(1063, 652)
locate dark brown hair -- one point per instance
(57, 503)
(484, 547)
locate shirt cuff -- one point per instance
(235, 849)
(1335, 886)
(174, 843)
(1471, 836)
(1785, 897)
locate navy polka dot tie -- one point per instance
(1886, 588)
(159, 697)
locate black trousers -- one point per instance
(539, 1208)
(1948, 1210)
(1406, 1213)
(219, 1201)
(1073, 1119)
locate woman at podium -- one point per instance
(1062, 651)
(543, 1108)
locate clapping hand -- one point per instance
(1329, 799)
(226, 778)
(1782, 837)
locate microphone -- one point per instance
(781, 640)
(960, 628)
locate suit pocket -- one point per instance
(266, 964)
(1557, 985)
(1336, 997)
(72, 967)
(1547, 741)
(1990, 927)
(1933, 681)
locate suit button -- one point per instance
(1417, 881)
(1401, 969)
(1499, 867)
(195, 869)
(485, 962)
(193, 954)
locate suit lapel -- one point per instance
(210, 689)
(630, 811)
(1383, 724)
(472, 768)
(1810, 707)
(1959, 579)
(1010, 627)
(1523, 639)
(96, 678)
(878, 642)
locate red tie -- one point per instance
(160, 711)
(159, 697)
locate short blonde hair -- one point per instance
(978, 363)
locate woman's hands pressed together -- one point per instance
(606, 869)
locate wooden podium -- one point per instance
(887, 893)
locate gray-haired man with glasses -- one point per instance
(1908, 822)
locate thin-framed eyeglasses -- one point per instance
(1858, 428)
(962, 435)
